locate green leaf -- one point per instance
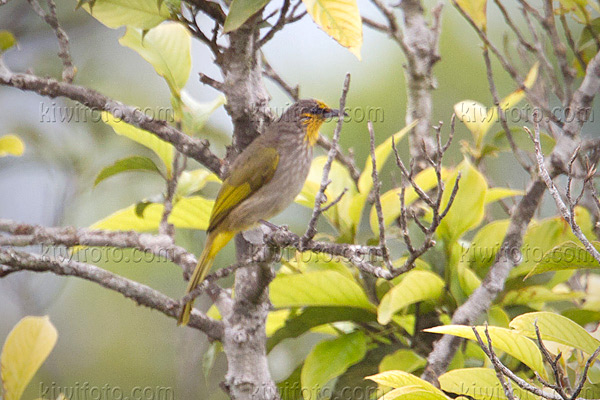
(411, 393)
(566, 256)
(586, 35)
(195, 114)
(340, 19)
(167, 48)
(208, 360)
(11, 144)
(414, 287)
(140, 14)
(494, 194)
(382, 153)
(509, 341)
(26, 348)
(312, 317)
(402, 360)
(240, 11)
(401, 379)
(479, 384)
(468, 280)
(477, 117)
(556, 328)
(331, 358)
(162, 149)
(7, 40)
(192, 181)
(531, 295)
(484, 246)
(468, 207)
(189, 212)
(390, 200)
(541, 237)
(135, 163)
(522, 141)
(319, 288)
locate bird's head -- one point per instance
(310, 115)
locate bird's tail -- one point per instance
(213, 245)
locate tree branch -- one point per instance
(194, 148)
(14, 261)
(320, 198)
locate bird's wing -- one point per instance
(246, 177)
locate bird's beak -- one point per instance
(334, 113)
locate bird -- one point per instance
(262, 181)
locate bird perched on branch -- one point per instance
(263, 180)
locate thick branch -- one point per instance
(194, 148)
(14, 261)
(162, 246)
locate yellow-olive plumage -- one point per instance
(263, 180)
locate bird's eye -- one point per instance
(316, 110)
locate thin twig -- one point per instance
(64, 53)
(165, 228)
(320, 198)
(281, 22)
(508, 392)
(377, 191)
(498, 366)
(518, 153)
(562, 207)
(346, 160)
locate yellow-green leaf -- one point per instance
(509, 341)
(474, 115)
(390, 200)
(494, 194)
(485, 244)
(532, 295)
(189, 212)
(167, 48)
(191, 181)
(468, 280)
(414, 287)
(11, 144)
(556, 328)
(479, 118)
(7, 40)
(403, 360)
(566, 256)
(340, 19)
(512, 99)
(467, 210)
(329, 359)
(319, 288)
(240, 11)
(399, 379)
(162, 149)
(476, 9)
(140, 14)
(275, 321)
(479, 384)
(26, 348)
(195, 114)
(411, 393)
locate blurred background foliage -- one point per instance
(105, 339)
